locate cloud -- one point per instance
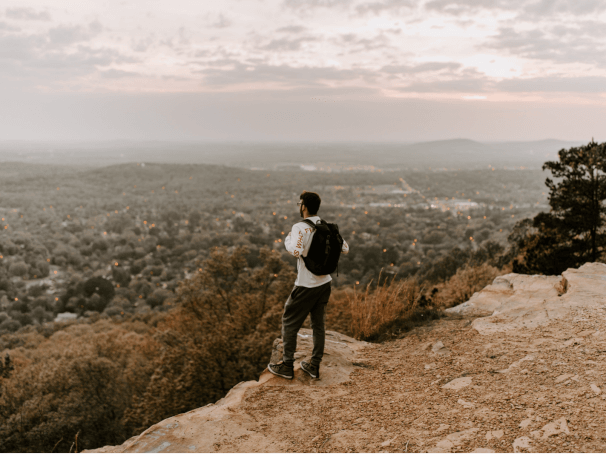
(457, 7)
(461, 85)
(287, 45)
(221, 22)
(310, 4)
(233, 72)
(117, 74)
(574, 7)
(58, 55)
(421, 68)
(66, 35)
(525, 8)
(142, 45)
(294, 29)
(562, 44)
(355, 43)
(586, 84)
(4, 27)
(378, 7)
(21, 47)
(84, 60)
(27, 14)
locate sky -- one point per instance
(302, 70)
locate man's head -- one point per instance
(310, 203)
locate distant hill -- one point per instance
(454, 153)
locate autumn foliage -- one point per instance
(82, 385)
(219, 335)
(102, 382)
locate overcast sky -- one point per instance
(302, 69)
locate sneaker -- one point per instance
(313, 371)
(282, 370)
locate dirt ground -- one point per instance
(537, 390)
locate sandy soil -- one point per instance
(529, 388)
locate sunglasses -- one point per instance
(300, 203)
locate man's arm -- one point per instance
(294, 242)
(345, 248)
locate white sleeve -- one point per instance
(294, 242)
(345, 248)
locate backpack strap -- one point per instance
(309, 223)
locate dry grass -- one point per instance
(338, 311)
(460, 287)
(395, 306)
(386, 309)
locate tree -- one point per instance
(100, 286)
(577, 199)
(572, 232)
(220, 333)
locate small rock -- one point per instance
(562, 378)
(276, 351)
(553, 428)
(424, 346)
(498, 434)
(525, 423)
(389, 442)
(576, 340)
(430, 366)
(439, 349)
(458, 383)
(516, 364)
(442, 427)
(445, 444)
(521, 444)
(459, 437)
(483, 450)
(595, 389)
(465, 403)
(587, 332)
(437, 346)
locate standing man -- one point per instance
(309, 296)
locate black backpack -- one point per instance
(325, 248)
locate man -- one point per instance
(309, 296)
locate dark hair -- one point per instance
(312, 201)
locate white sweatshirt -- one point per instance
(297, 244)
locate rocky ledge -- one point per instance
(520, 367)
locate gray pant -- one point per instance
(303, 301)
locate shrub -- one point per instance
(9, 325)
(18, 269)
(80, 381)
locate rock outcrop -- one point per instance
(207, 429)
(517, 301)
(519, 367)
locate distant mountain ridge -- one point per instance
(452, 153)
(463, 152)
